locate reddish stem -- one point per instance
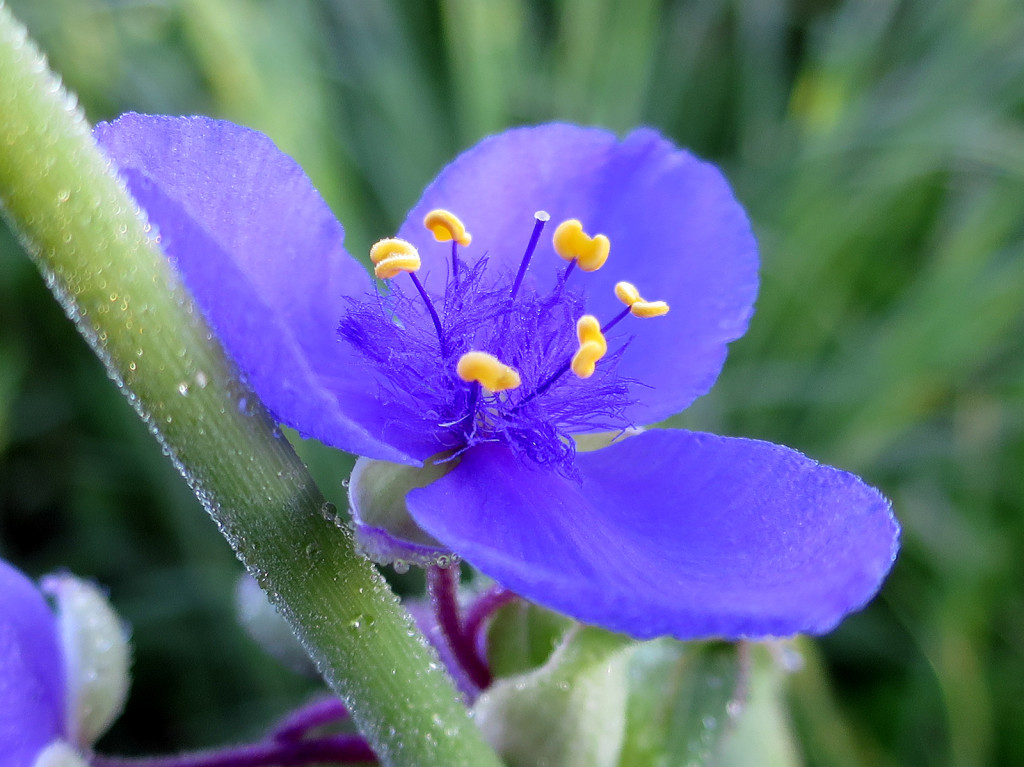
(441, 585)
(295, 725)
(338, 749)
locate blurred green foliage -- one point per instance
(879, 147)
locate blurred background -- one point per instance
(879, 148)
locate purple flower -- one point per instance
(665, 532)
(32, 676)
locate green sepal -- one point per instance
(762, 734)
(376, 496)
(570, 712)
(683, 699)
(522, 637)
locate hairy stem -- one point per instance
(94, 249)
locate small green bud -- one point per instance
(570, 712)
(59, 754)
(268, 629)
(96, 656)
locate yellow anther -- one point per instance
(571, 242)
(647, 309)
(392, 256)
(588, 331)
(391, 246)
(446, 227)
(627, 293)
(593, 346)
(488, 371)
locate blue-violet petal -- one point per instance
(671, 532)
(32, 687)
(263, 255)
(676, 232)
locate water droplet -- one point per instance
(201, 379)
(183, 389)
(400, 566)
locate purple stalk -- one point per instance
(546, 384)
(474, 395)
(481, 611)
(541, 219)
(432, 310)
(319, 712)
(441, 584)
(339, 749)
(616, 319)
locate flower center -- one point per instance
(483, 361)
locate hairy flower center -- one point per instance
(495, 359)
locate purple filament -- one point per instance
(433, 312)
(546, 383)
(616, 319)
(541, 219)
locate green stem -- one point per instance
(84, 232)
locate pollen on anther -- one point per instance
(488, 371)
(627, 293)
(593, 346)
(446, 226)
(392, 256)
(573, 244)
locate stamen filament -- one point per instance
(455, 260)
(615, 320)
(542, 218)
(433, 313)
(547, 382)
(474, 396)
